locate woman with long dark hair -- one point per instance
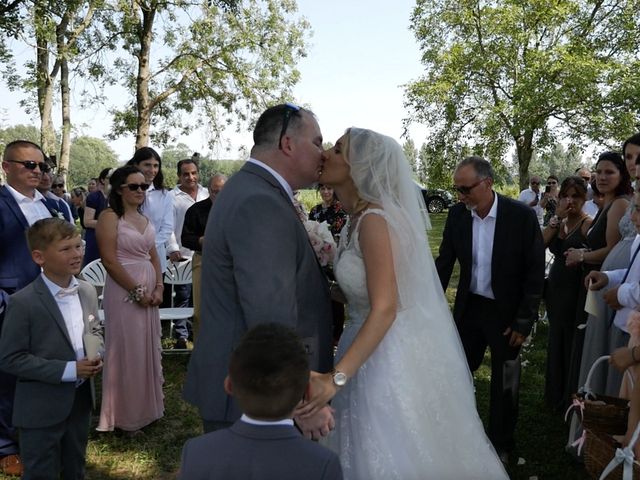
(158, 205)
(132, 378)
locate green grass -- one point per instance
(156, 454)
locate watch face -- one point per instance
(340, 379)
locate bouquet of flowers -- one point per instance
(321, 241)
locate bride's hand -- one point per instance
(322, 390)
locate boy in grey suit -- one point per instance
(51, 327)
(268, 375)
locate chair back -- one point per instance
(94, 273)
(178, 273)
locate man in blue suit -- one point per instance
(21, 205)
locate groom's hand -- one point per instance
(318, 425)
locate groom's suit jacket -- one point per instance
(517, 263)
(258, 266)
(259, 452)
(17, 269)
(35, 347)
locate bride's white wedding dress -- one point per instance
(409, 413)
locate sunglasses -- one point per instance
(535, 183)
(289, 107)
(58, 185)
(464, 190)
(134, 187)
(31, 165)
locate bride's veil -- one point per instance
(382, 175)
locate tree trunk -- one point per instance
(44, 86)
(143, 102)
(524, 150)
(65, 146)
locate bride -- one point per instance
(401, 388)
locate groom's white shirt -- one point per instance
(278, 177)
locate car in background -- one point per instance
(436, 199)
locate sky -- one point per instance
(359, 56)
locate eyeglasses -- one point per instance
(58, 185)
(289, 107)
(464, 190)
(134, 187)
(31, 165)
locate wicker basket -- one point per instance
(600, 448)
(610, 416)
(602, 413)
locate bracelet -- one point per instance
(160, 285)
(581, 255)
(135, 294)
(633, 355)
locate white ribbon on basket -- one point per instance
(625, 456)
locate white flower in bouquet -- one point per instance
(321, 240)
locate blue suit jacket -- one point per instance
(17, 269)
(257, 452)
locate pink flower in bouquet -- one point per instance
(633, 325)
(321, 241)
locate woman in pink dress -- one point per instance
(132, 378)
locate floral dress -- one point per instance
(334, 215)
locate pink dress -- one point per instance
(132, 375)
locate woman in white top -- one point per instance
(158, 206)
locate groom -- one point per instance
(258, 265)
(498, 244)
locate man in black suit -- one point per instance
(498, 244)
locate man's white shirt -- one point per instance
(33, 209)
(181, 203)
(527, 196)
(629, 291)
(482, 250)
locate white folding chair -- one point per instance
(176, 274)
(95, 273)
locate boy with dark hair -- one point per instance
(268, 376)
(52, 341)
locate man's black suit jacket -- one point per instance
(517, 264)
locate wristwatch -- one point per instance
(339, 378)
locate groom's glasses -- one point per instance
(134, 187)
(289, 107)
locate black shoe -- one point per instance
(181, 344)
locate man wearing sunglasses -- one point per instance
(531, 196)
(21, 205)
(258, 264)
(498, 244)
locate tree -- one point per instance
(219, 60)
(411, 152)
(18, 132)
(525, 74)
(557, 160)
(88, 156)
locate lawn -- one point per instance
(156, 454)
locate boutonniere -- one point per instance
(91, 317)
(58, 214)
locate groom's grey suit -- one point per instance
(257, 266)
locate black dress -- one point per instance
(561, 299)
(596, 239)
